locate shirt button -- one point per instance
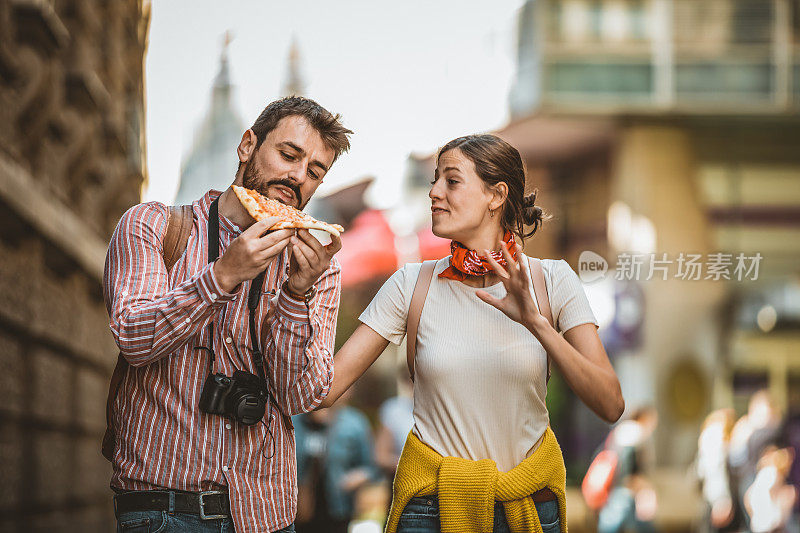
(124, 293)
(228, 340)
(227, 426)
(188, 321)
(224, 468)
(213, 296)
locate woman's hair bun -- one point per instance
(532, 214)
(529, 199)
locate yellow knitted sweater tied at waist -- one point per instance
(467, 490)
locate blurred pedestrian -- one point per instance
(632, 503)
(334, 459)
(792, 434)
(712, 470)
(760, 427)
(481, 456)
(396, 417)
(770, 499)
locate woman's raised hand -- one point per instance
(518, 305)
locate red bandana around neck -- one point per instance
(466, 262)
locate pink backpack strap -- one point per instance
(542, 298)
(415, 311)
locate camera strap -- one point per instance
(253, 297)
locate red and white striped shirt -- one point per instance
(159, 317)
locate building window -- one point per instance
(595, 20)
(616, 22)
(575, 21)
(729, 80)
(794, 14)
(639, 20)
(622, 79)
(752, 21)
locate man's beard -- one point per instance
(254, 179)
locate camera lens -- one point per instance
(249, 409)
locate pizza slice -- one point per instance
(260, 207)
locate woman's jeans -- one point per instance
(421, 515)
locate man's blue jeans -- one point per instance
(421, 515)
(163, 522)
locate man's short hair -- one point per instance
(329, 126)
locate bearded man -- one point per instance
(225, 346)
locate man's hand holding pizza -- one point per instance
(309, 259)
(250, 253)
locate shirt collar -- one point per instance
(204, 204)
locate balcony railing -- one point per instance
(714, 56)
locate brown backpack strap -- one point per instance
(176, 237)
(109, 437)
(179, 227)
(415, 311)
(542, 298)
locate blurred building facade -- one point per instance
(671, 127)
(211, 161)
(71, 162)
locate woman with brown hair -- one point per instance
(481, 455)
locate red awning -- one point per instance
(368, 250)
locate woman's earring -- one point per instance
(491, 212)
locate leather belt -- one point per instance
(210, 505)
(543, 495)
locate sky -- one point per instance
(407, 76)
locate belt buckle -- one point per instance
(203, 515)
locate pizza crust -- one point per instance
(333, 229)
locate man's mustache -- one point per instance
(291, 185)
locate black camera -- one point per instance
(242, 397)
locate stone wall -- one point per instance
(71, 161)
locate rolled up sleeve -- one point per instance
(148, 319)
(301, 345)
